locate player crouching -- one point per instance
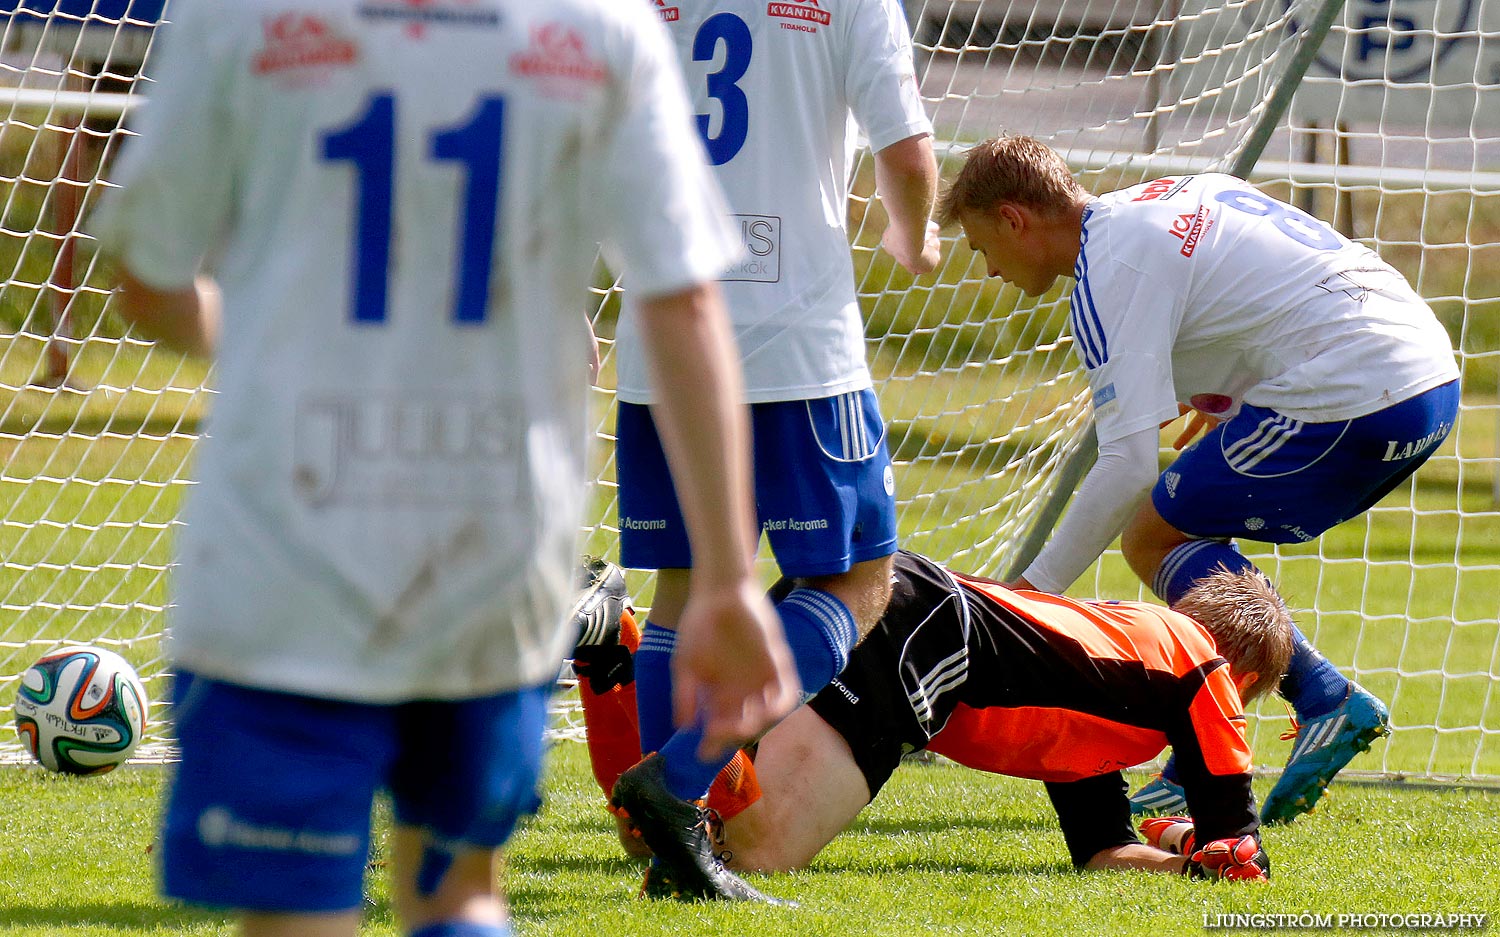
(1016, 683)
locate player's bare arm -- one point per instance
(185, 320)
(906, 177)
(1136, 857)
(732, 665)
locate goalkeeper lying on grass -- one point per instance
(1023, 684)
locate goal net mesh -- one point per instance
(987, 410)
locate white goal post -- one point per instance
(1391, 135)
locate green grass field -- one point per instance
(943, 850)
(1406, 597)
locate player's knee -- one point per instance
(467, 883)
(670, 597)
(766, 855)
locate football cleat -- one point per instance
(596, 614)
(599, 656)
(684, 866)
(1324, 746)
(1159, 797)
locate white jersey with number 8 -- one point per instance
(1203, 290)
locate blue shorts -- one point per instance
(825, 493)
(1267, 477)
(269, 809)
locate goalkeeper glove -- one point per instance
(1173, 834)
(1240, 860)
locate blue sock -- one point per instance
(1187, 563)
(653, 685)
(463, 929)
(820, 630)
(1312, 685)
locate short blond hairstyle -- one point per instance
(1249, 623)
(1020, 170)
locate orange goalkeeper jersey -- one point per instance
(1047, 687)
(1105, 682)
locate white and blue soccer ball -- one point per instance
(81, 710)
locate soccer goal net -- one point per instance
(1388, 137)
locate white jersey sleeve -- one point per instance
(880, 83)
(179, 198)
(1123, 321)
(665, 223)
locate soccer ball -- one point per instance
(81, 710)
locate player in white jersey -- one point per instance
(400, 203)
(779, 88)
(1328, 378)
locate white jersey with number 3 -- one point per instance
(401, 202)
(1203, 290)
(775, 84)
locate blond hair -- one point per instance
(1248, 621)
(1020, 170)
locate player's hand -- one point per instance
(1197, 424)
(1240, 860)
(919, 262)
(732, 668)
(1172, 834)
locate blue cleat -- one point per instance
(1324, 746)
(1159, 797)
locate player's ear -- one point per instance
(1010, 215)
(1245, 683)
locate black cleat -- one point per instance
(599, 656)
(685, 867)
(602, 599)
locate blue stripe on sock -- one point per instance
(821, 632)
(1184, 565)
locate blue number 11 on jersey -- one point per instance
(369, 143)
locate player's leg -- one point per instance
(603, 617)
(811, 790)
(824, 486)
(1257, 476)
(268, 811)
(825, 493)
(653, 535)
(827, 499)
(466, 903)
(466, 774)
(1266, 477)
(340, 924)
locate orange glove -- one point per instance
(1240, 860)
